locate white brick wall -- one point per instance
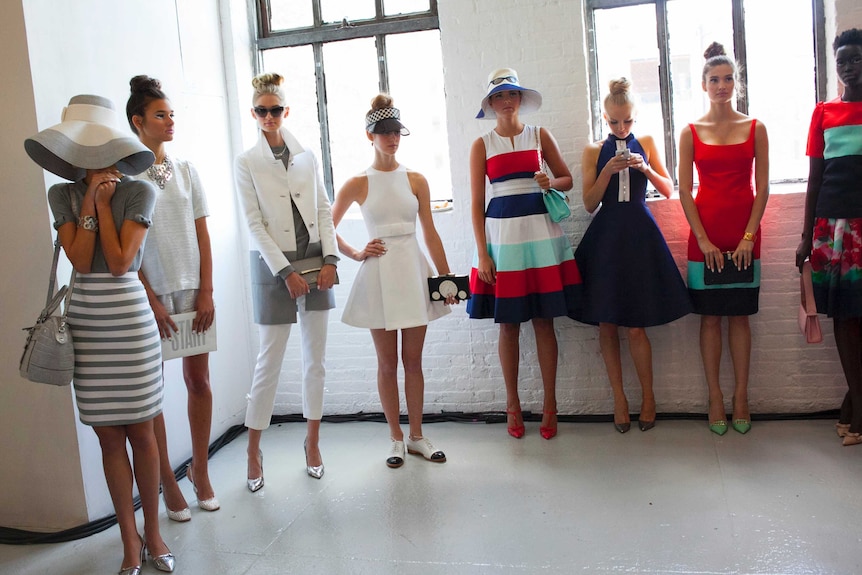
(544, 41)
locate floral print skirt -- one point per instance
(836, 266)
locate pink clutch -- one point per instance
(809, 324)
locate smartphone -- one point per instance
(625, 152)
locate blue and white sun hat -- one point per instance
(507, 79)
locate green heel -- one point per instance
(741, 425)
(718, 427)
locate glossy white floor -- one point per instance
(786, 498)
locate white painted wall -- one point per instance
(68, 49)
(96, 46)
(461, 364)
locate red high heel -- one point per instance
(516, 431)
(548, 432)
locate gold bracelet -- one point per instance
(748, 236)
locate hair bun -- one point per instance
(619, 86)
(262, 80)
(381, 101)
(713, 50)
(144, 83)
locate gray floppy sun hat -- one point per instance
(87, 138)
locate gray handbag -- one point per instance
(49, 356)
(309, 269)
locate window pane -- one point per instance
(787, 113)
(351, 83)
(626, 46)
(288, 14)
(691, 29)
(337, 10)
(418, 93)
(394, 7)
(300, 90)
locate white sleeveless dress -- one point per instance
(391, 292)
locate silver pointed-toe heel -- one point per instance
(210, 504)
(315, 471)
(256, 483)
(165, 562)
(136, 569)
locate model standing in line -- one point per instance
(287, 211)
(524, 268)
(390, 293)
(177, 274)
(731, 152)
(102, 219)
(832, 233)
(630, 277)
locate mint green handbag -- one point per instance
(556, 204)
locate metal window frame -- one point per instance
(320, 33)
(665, 78)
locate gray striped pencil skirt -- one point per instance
(118, 354)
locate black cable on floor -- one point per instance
(10, 536)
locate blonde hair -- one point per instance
(379, 102)
(267, 84)
(619, 93)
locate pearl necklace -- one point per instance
(162, 173)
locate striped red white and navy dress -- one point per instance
(537, 276)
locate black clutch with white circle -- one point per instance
(441, 287)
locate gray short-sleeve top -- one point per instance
(133, 200)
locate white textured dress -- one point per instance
(391, 291)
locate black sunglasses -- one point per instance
(499, 80)
(261, 112)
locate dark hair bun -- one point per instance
(144, 83)
(713, 50)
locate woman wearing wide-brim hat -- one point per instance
(102, 219)
(524, 268)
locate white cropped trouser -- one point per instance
(273, 341)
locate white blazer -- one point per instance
(265, 190)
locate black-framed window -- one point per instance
(659, 45)
(336, 55)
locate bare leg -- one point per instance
(386, 345)
(739, 341)
(174, 498)
(641, 352)
(412, 344)
(146, 460)
(609, 343)
(255, 465)
(313, 442)
(509, 349)
(200, 409)
(546, 349)
(118, 475)
(710, 351)
(848, 339)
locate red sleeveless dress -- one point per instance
(724, 200)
